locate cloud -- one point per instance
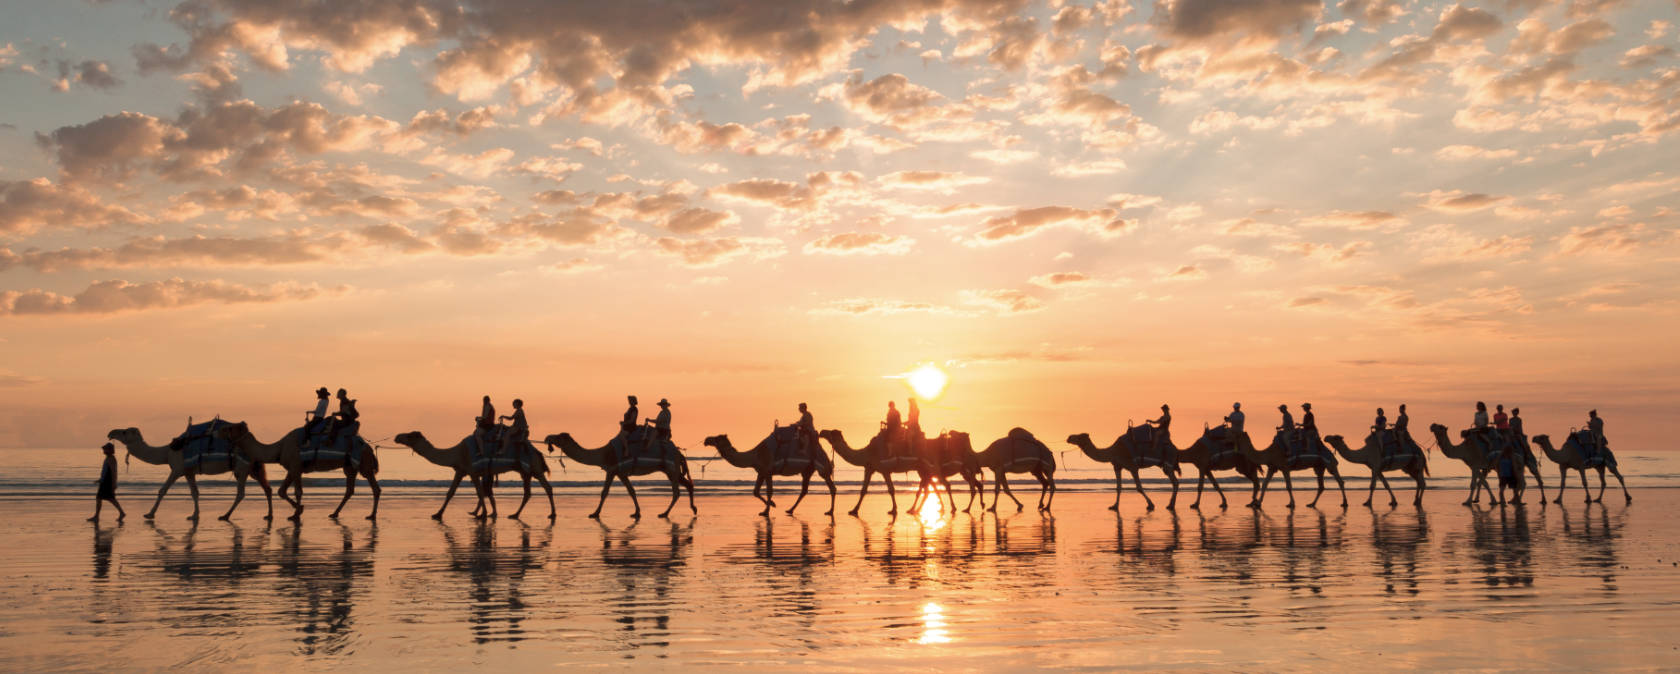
(95, 74)
(30, 205)
(944, 181)
(1448, 243)
(1458, 201)
(1214, 21)
(1003, 301)
(778, 193)
(860, 243)
(1603, 238)
(106, 297)
(396, 236)
(1062, 279)
(696, 220)
(161, 252)
(1187, 272)
(1029, 221)
(1468, 152)
(702, 253)
(868, 306)
(1306, 301)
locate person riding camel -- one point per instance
(913, 423)
(1500, 420)
(628, 423)
(484, 426)
(893, 427)
(661, 426)
(1401, 423)
(1287, 428)
(1234, 421)
(1518, 437)
(807, 432)
(517, 432)
(1595, 426)
(314, 419)
(1379, 425)
(1161, 425)
(344, 420)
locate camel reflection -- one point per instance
(495, 575)
(1500, 546)
(1304, 547)
(646, 570)
(1595, 533)
(1398, 536)
(322, 581)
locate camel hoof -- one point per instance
(665, 515)
(1630, 499)
(513, 516)
(1344, 505)
(437, 516)
(1291, 506)
(551, 517)
(595, 515)
(1171, 507)
(852, 512)
(194, 518)
(790, 511)
(1115, 507)
(91, 519)
(333, 516)
(1222, 506)
(1391, 504)
(1151, 508)
(1195, 506)
(1367, 504)
(223, 518)
(149, 515)
(370, 518)
(636, 516)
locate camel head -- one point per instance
(1078, 439)
(411, 439)
(958, 441)
(556, 439)
(831, 435)
(1542, 440)
(1332, 439)
(1437, 429)
(127, 436)
(717, 441)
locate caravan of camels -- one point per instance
(331, 443)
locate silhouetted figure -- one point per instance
(1161, 425)
(631, 417)
(107, 484)
(517, 432)
(1480, 422)
(1402, 423)
(313, 420)
(894, 425)
(1235, 420)
(914, 422)
(1595, 425)
(1287, 428)
(344, 420)
(1500, 421)
(661, 425)
(807, 426)
(1381, 422)
(1308, 423)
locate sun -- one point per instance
(927, 380)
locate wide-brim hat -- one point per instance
(108, 447)
(664, 403)
(322, 391)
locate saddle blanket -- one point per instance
(345, 446)
(1304, 451)
(200, 444)
(1143, 443)
(1398, 451)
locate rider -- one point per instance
(485, 426)
(1518, 438)
(1235, 421)
(1595, 425)
(1400, 424)
(628, 423)
(914, 421)
(1500, 421)
(315, 419)
(807, 429)
(661, 424)
(1161, 425)
(518, 432)
(1287, 428)
(1379, 425)
(344, 420)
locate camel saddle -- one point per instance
(1304, 450)
(200, 444)
(1398, 449)
(495, 460)
(1588, 449)
(900, 443)
(1143, 443)
(788, 445)
(343, 445)
(640, 449)
(1022, 447)
(1222, 443)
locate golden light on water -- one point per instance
(932, 512)
(927, 380)
(933, 625)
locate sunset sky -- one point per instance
(1078, 210)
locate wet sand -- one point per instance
(1445, 587)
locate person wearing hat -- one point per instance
(344, 419)
(1379, 425)
(107, 484)
(1287, 430)
(314, 419)
(1595, 425)
(1234, 420)
(1309, 428)
(807, 426)
(661, 424)
(628, 424)
(1161, 425)
(484, 426)
(914, 420)
(517, 432)
(1402, 424)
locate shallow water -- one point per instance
(1559, 587)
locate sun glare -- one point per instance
(928, 381)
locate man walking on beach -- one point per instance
(107, 485)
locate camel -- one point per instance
(1413, 463)
(671, 463)
(1275, 459)
(288, 452)
(176, 460)
(530, 464)
(943, 456)
(1472, 455)
(1208, 456)
(1122, 456)
(761, 459)
(1571, 457)
(873, 458)
(1019, 452)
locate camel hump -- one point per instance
(1018, 433)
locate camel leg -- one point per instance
(173, 476)
(1473, 486)
(550, 492)
(604, 487)
(449, 495)
(521, 509)
(1172, 477)
(1201, 476)
(1119, 486)
(1563, 483)
(892, 492)
(373, 486)
(676, 493)
(1257, 498)
(862, 491)
(1290, 486)
(349, 488)
(487, 492)
(1534, 468)
(1217, 490)
(949, 493)
(921, 490)
(1138, 483)
(268, 494)
(192, 483)
(758, 488)
(769, 493)
(1341, 487)
(688, 484)
(1582, 471)
(804, 488)
(1417, 476)
(238, 495)
(1618, 474)
(1391, 500)
(297, 491)
(1600, 497)
(1003, 479)
(832, 494)
(625, 478)
(1371, 487)
(1320, 494)
(1049, 482)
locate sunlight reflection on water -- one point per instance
(933, 625)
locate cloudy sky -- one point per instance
(1080, 210)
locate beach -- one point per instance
(1568, 586)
